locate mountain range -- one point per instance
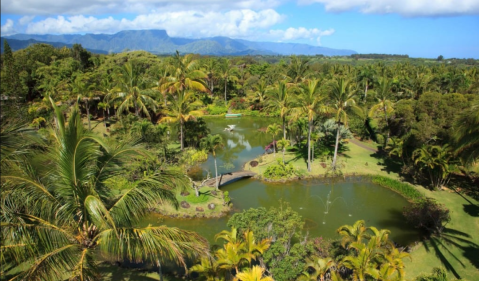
(158, 42)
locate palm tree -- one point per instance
(186, 75)
(354, 233)
(254, 274)
(321, 267)
(273, 129)
(366, 76)
(282, 144)
(393, 265)
(64, 214)
(384, 105)
(280, 101)
(342, 95)
(130, 91)
(181, 108)
(84, 90)
(208, 268)
(434, 159)
(227, 72)
(211, 143)
(310, 103)
(364, 263)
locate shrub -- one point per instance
(238, 103)
(402, 188)
(279, 170)
(428, 215)
(216, 110)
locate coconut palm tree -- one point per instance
(185, 75)
(310, 103)
(131, 91)
(283, 144)
(384, 105)
(211, 143)
(254, 274)
(84, 90)
(342, 95)
(227, 72)
(58, 214)
(273, 129)
(181, 109)
(280, 100)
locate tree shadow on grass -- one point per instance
(453, 238)
(388, 164)
(472, 210)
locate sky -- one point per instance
(418, 28)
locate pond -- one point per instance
(324, 206)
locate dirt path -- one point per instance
(358, 143)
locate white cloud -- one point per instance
(407, 8)
(96, 7)
(8, 28)
(25, 20)
(292, 34)
(235, 23)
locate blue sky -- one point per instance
(419, 28)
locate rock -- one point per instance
(213, 192)
(185, 193)
(211, 206)
(184, 204)
(199, 209)
(253, 163)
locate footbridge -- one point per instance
(229, 177)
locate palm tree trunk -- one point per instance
(88, 115)
(336, 147)
(137, 111)
(226, 81)
(159, 270)
(283, 155)
(284, 127)
(216, 173)
(181, 134)
(310, 125)
(387, 126)
(274, 148)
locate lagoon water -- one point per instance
(323, 205)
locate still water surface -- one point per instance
(324, 206)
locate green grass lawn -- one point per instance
(462, 253)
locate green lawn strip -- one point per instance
(360, 161)
(205, 198)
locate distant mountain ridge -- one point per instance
(158, 41)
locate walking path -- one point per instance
(360, 144)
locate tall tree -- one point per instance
(227, 72)
(383, 93)
(342, 97)
(130, 90)
(311, 103)
(466, 134)
(273, 129)
(211, 144)
(280, 100)
(85, 91)
(185, 75)
(181, 109)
